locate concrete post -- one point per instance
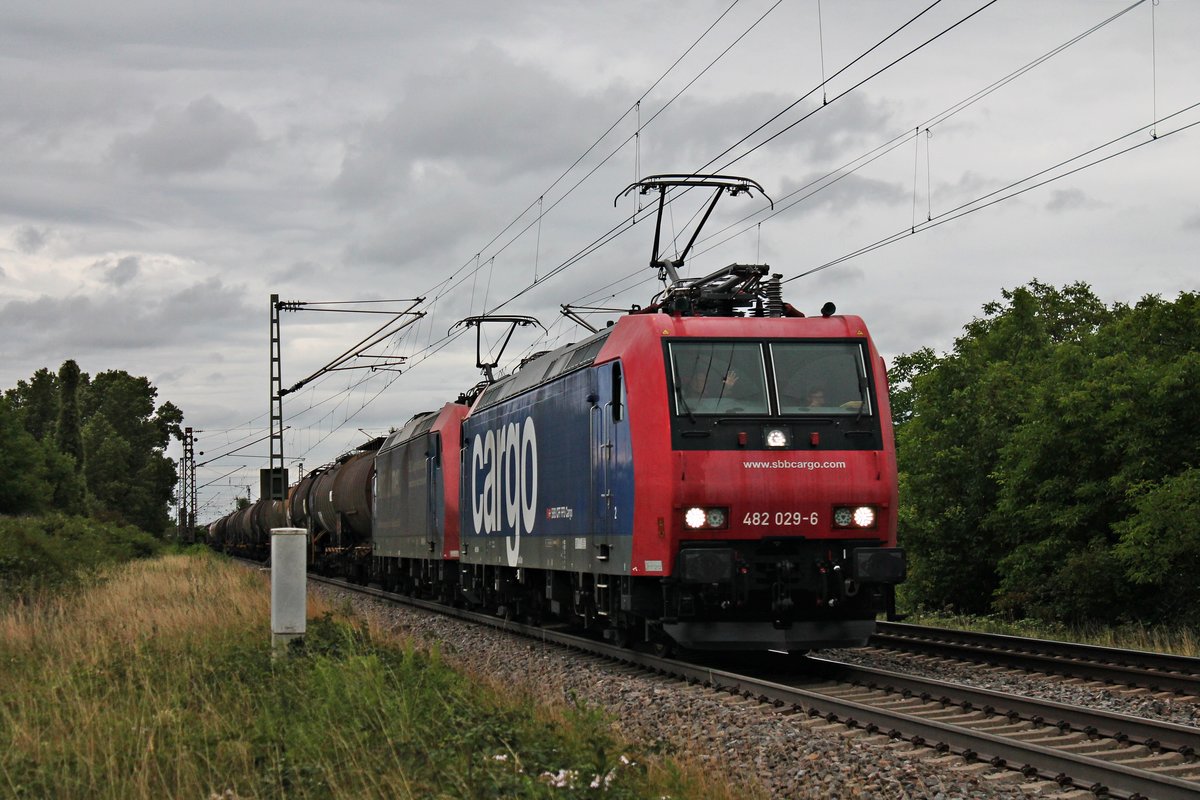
(289, 586)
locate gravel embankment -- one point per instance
(791, 756)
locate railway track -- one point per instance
(1136, 753)
(1107, 754)
(1155, 672)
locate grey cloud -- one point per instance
(203, 304)
(299, 272)
(30, 239)
(1192, 223)
(156, 36)
(206, 310)
(125, 270)
(487, 118)
(202, 136)
(1067, 200)
(813, 191)
(695, 131)
(425, 233)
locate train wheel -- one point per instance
(663, 647)
(619, 636)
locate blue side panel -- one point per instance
(536, 472)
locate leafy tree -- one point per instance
(38, 400)
(901, 373)
(34, 475)
(70, 441)
(1026, 445)
(102, 446)
(961, 410)
(69, 487)
(110, 464)
(1159, 543)
(132, 478)
(24, 487)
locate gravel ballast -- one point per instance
(789, 756)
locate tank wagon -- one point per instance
(716, 472)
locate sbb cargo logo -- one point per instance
(504, 483)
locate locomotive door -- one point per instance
(434, 511)
(606, 413)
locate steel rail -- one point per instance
(1154, 734)
(1154, 671)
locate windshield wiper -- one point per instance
(683, 404)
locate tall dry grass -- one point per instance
(158, 682)
(170, 598)
(99, 681)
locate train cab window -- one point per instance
(820, 378)
(719, 378)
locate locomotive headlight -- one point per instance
(855, 517)
(864, 517)
(706, 518)
(777, 437)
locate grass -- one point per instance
(157, 681)
(1159, 639)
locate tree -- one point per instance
(1025, 447)
(98, 445)
(24, 487)
(1159, 543)
(961, 409)
(133, 479)
(903, 370)
(69, 438)
(38, 401)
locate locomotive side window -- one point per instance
(719, 378)
(820, 378)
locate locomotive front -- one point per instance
(771, 509)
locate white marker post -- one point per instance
(289, 586)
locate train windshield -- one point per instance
(758, 378)
(719, 378)
(820, 378)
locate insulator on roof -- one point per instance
(774, 293)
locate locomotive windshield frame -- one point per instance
(768, 377)
(776, 379)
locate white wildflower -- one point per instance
(563, 779)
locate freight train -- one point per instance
(713, 472)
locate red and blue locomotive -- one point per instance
(713, 472)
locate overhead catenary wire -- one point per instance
(439, 289)
(620, 228)
(623, 143)
(608, 236)
(837, 175)
(431, 346)
(937, 119)
(978, 203)
(434, 290)
(617, 230)
(478, 256)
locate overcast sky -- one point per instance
(167, 166)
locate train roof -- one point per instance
(420, 424)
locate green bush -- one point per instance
(57, 549)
